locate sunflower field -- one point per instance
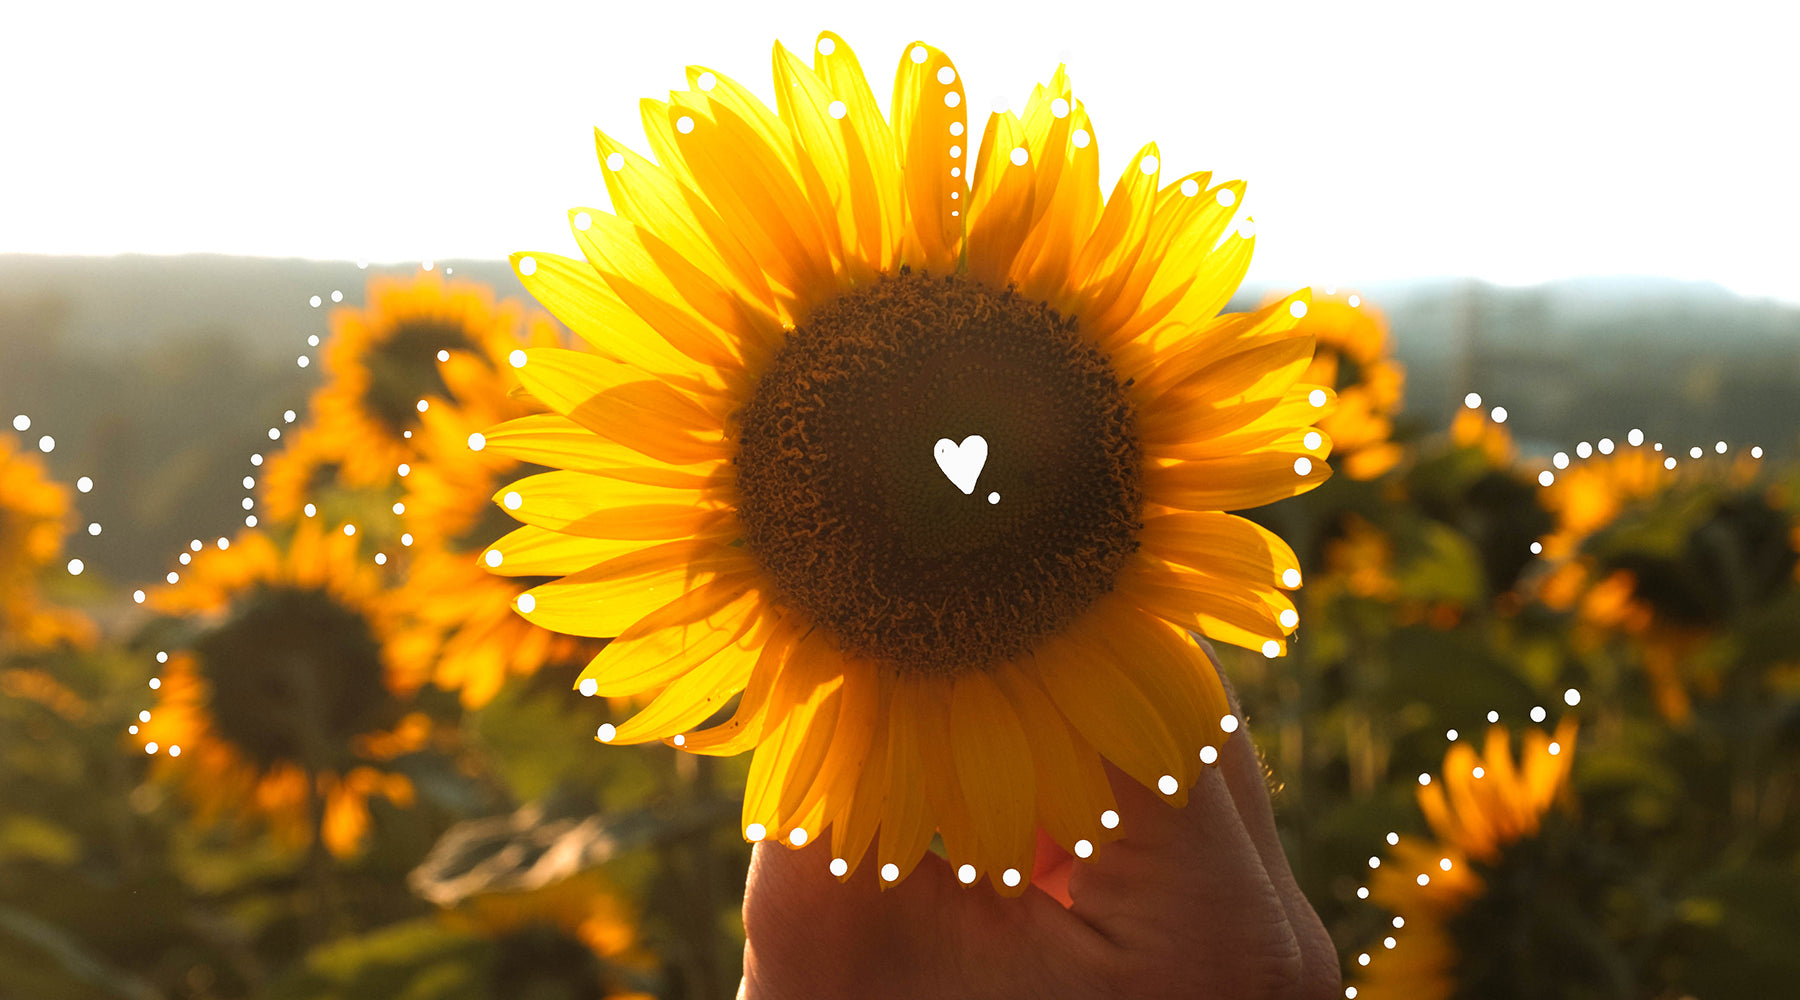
(806, 513)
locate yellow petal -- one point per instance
(581, 299)
(994, 767)
(927, 123)
(1221, 544)
(608, 398)
(796, 740)
(581, 504)
(644, 656)
(534, 551)
(555, 441)
(1000, 204)
(906, 827)
(603, 601)
(1238, 482)
(1107, 708)
(701, 690)
(1071, 786)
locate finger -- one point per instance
(1242, 769)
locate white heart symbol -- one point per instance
(962, 463)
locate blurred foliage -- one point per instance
(531, 864)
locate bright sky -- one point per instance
(1515, 142)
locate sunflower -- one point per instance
(34, 516)
(277, 709)
(1483, 809)
(415, 342)
(458, 630)
(573, 938)
(926, 454)
(1355, 355)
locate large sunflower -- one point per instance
(1355, 355)
(1481, 808)
(932, 467)
(413, 343)
(34, 516)
(276, 709)
(457, 627)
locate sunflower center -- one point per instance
(404, 369)
(294, 674)
(845, 504)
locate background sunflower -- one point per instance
(34, 516)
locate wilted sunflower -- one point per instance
(1454, 900)
(576, 938)
(277, 708)
(933, 472)
(34, 516)
(1355, 356)
(414, 342)
(457, 628)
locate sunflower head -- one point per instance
(575, 939)
(1355, 357)
(278, 706)
(34, 518)
(920, 453)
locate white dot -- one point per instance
(606, 732)
(172, 577)
(186, 558)
(313, 340)
(1720, 448)
(583, 222)
(955, 152)
(1399, 922)
(1560, 460)
(956, 128)
(993, 498)
(956, 171)
(150, 748)
(1019, 155)
(75, 567)
(274, 433)
(1389, 942)
(423, 405)
(155, 683)
(967, 874)
(527, 603)
(1209, 754)
(839, 867)
(21, 423)
(512, 500)
(84, 484)
(1584, 450)
(1756, 452)
(162, 656)
(1537, 548)
(406, 539)
(1362, 892)
(1303, 465)
(492, 557)
(1362, 959)
(1635, 438)
(755, 832)
(706, 81)
(1546, 477)
(1168, 785)
(588, 687)
(614, 161)
(1109, 819)
(1669, 463)
(516, 358)
(1229, 723)
(1444, 863)
(1226, 197)
(1349, 993)
(46, 444)
(399, 508)
(1374, 861)
(797, 837)
(349, 529)
(684, 124)
(1606, 446)
(1695, 452)
(1355, 300)
(1312, 440)
(1011, 877)
(224, 543)
(920, 54)
(1480, 772)
(477, 441)
(132, 730)
(1450, 734)
(1297, 308)
(249, 503)
(1084, 849)
(946, 75)
(310, 510)
(1149, 165)
(1472, 401)
(1289, 618)
(1499, 414)
(255, 459)
(827, 46)
(1080, 138)
(1317, 398)
(680, 740)
(1659, 446)
(427, 265)
(137, 597)
(952, 99)
(836, 109)
(1190, 187)
(1424, 779)
(315, 302)
(1393, 838)
(890, 872)
(1571, 697)
(1271, 649)
(381, 558)
(1424, 879)
(1290, 578)
(1555, 748)
(1493, 717)
(174, 751)
(1059, 108)
(1538, 713)
(528, 265)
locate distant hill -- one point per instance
(159, 376)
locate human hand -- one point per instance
(1195, 903)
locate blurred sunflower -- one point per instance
(34, 516)
(277, 709)
(415, 342)
(932, 467)
(574, 939)
(1355, 356)
(1455, 901)
(456, 626)
(1473, 429)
